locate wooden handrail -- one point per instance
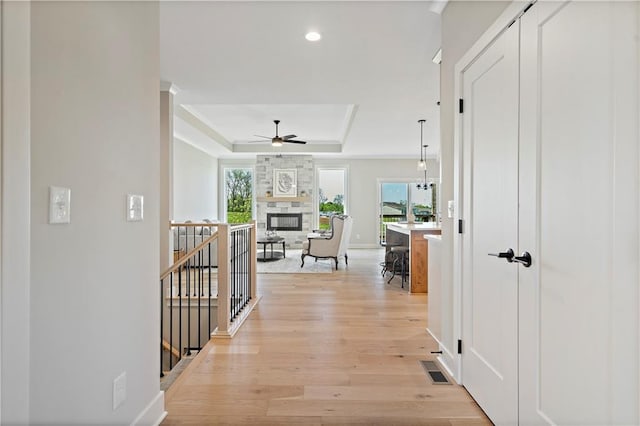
(191, 224)
(241, 226)
(168, 347)
(184, 259)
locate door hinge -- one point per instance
(527, 8)
(459, 346)
(461, 105)
(460, 226)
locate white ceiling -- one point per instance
(359, 91)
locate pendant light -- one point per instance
(422, 164)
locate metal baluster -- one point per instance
(170, 323)
(161, 331)
(189, 268)
(199, 298)
(209, 299)
(180, 269)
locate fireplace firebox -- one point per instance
(284, 221)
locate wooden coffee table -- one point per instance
(269, 255)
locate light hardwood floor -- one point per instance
(340, 348)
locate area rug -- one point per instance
(291, 265)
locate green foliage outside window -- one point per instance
(239, 191)
(329, 208)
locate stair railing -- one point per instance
(188, 298)
(208, 292)
(237, 277)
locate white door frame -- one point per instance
(315, 198)
(510, 14)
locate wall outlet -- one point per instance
(119, 390)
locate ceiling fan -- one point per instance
(279, 140)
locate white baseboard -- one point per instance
(153, 414)
(364, 246)
(446, 359)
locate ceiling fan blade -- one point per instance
(288, 137)
(258, 142)
(260, 136)
(292, 141)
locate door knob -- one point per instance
(505, 255)
(524, 259)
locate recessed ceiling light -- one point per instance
(313, 36)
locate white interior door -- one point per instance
(579, 214)
(490, 186)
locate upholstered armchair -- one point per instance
(332, 246)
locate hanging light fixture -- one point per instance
(422, 164)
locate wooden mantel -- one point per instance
(283, 199)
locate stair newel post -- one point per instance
(253, 260)
(224, 302)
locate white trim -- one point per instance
(154, 413)
(315, 196)
(1, 198)
(16, 210)
(511, 13)
(198, 123)
(166, 86)
(447, 363)
(638, 97)
(222, 191)
(364, 246)
(348, 123)
(437, 6)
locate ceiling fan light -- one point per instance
(276, 142)
(313, 36)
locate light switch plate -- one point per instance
(59, 205)
(450, 209)
(135, 208)
(119, 390)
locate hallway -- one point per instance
(340, 348)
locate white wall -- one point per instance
(15, 310)
(95, 129)
(363, 190)
(195, 183)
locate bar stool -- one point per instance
(398, 257)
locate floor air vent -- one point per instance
(434, 373)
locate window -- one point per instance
(396, 196)
(238, 183)
(331, 194)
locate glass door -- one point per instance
(394, 197)
(397, 199)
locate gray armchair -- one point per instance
(333, 246)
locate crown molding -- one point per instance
(197, 123)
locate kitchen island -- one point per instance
(412, 235)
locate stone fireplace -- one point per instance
(300, 205)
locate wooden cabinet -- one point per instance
(418, 250)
